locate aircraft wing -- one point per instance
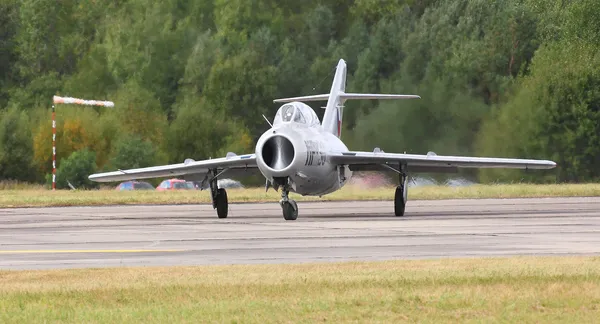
(431, 162)
(179, 169)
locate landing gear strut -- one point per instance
(401, 195)
(219, 197)
(289, 206)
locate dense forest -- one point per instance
(192, 79)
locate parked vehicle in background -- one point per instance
(221, 183)
(175, 184)
(134, 185)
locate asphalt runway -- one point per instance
(36, 238)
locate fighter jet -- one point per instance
(301, 154)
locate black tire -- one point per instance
(222, 203)
(290, 210)
(399, 202)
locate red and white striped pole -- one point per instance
(69, 100)
(53, 149)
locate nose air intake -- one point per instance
(278, 152)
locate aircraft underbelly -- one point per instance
(317, 182)
(316, 176)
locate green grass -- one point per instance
(514, 290)
(38, 197)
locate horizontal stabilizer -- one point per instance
(319, 97)
(349, 96)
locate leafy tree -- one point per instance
(553, 115)
(243, 88)
(442, 121)
(146, 44)
(49, 41)
(42, 147)
(199, 133)
(72, 134)
(131, 152)
(139, 112)
(381, 57)
(75, 170)
(236, 20)
(373, 11)
(76, 128)
(92, 79)
(320, 24)
(8, 29)
(16, 150)
(38, 37)
(192, 78)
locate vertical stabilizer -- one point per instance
(334, 111)
(332, 119)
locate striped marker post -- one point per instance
(75, 101)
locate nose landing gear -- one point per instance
(288, 206)
(290, 209)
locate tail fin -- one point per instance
(332, 120)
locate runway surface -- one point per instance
(34, 238)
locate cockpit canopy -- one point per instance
(296, 112)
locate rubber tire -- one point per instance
(222, 203)
(399, 202)
(289, 213)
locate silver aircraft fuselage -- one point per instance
(297, 151)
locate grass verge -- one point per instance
(515, 290)
(45, 198)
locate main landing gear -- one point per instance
(290, 207)
(219, 197)
(401, 195)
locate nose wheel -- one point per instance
(290, 210)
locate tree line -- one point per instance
(192, 79)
